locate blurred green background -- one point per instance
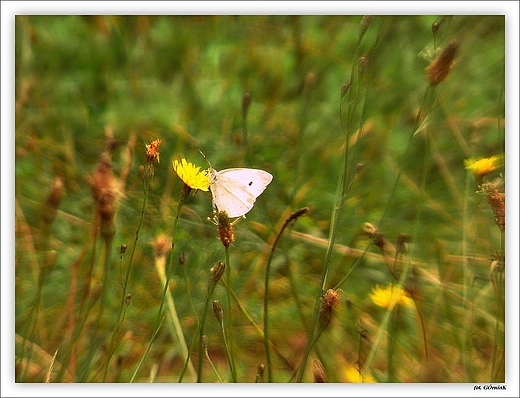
(81, 79)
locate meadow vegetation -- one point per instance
(376, 254)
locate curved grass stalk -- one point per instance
(206, 353)
(257, 327)
(291, 218)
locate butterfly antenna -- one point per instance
(204, 156)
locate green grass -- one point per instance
(80, 80)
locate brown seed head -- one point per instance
(122, 249)
(219, 312)
(441, 66)
(50, 209)
(217, 271)
(225, 228)
(107, 191)
(152, 151)
(319, 372)
(496, 200)
(330, 298)
(161, 245)
(365, 24)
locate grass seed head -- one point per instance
(225, 228)
(441, 66)
(107, 192)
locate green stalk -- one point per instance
(352, 96)
(141, 361)
(123, 307)
(48, 261)
(230, 320)
(498, 357)
(201, 340)
(465, 226)
(206, 353)
(406, 269)
(392, 336)
(336, 214)
(160, 317)
(85, 306)
(215, 275)
(187, 281)
(219, 313)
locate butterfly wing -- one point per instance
(235, 190)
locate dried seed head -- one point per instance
(152, 151)
(435, 28)
(128, 298)
(50, 209)
(329, 300)
(496, 200)
(497, 265)
(365, 24)
(345, 87)
(319, 372)
(298, 213)
(373, 233)
(122, 250)
(161, 245)
(152, 156)
(107, 191)
(216, 272)
(51, 257)
(369, 229)
(225, 228)
(325, 317)
(362, 65)
(441, 66)
(56, 194)
(402, 239)
(219, 312)
(260, 369)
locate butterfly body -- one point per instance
(235, 190)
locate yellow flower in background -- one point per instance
(353, 375)
(390, 296)
(482, 166)
(191, 175)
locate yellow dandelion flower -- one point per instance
(390, 296)
(353, 375)
(482, 166)
(191, 175)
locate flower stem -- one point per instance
(230, 319)
(123, 306)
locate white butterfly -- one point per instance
(235, 190)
